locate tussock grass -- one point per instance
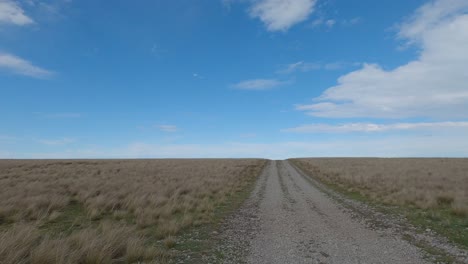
(435, 189)
(109, 211)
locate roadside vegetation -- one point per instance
(111, 211)
(432, 193)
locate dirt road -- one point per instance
(289, 220)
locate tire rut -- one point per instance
(288, 219)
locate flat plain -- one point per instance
(234, 211)
(110, 211)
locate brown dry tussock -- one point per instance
(106, 211)
(424, 183)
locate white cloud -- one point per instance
(390, 146)
(18, 65)
(353, 21)
(430, 16)
(300, 66)
(157, 50)
(394, 146)
(330, 23)
(168, 128)
(197, 76)
(280, 15)
(435, 85)
(57, 142)
(258, 84)
(12, 13)
(317, 22)
(370, 127)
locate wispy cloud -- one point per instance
(329, 23)
(352, 21)
(280, 15)
(377, 146)
(258, 84)
(371, 127)
(12, 13)
(48, 11)
(157, 50)
(227, 3)
(302, 66)
(168, 128)
(21, 66)
(57, 142)
(197, 76)
(432, 86)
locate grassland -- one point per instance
(110, 211)
(433, 193)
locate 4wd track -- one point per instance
(289, 220)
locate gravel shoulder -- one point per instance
(287, 219)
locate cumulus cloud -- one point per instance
(21, 66)
(12, 13)
(280, 15)
(435, 85)
(370, 127)
(258, 84)
(168, 128)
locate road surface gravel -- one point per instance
(287, 219)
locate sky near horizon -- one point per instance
(233, 78)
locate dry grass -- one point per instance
(431, 193)
(109, 211)
(424, 183)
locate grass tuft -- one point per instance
(110, 211)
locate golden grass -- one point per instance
(109, 211)
(424, 183)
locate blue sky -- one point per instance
(233, 78)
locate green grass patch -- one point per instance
(441, 221)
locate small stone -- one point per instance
(428, 230)
(215, 232)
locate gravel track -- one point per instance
(289, 220)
